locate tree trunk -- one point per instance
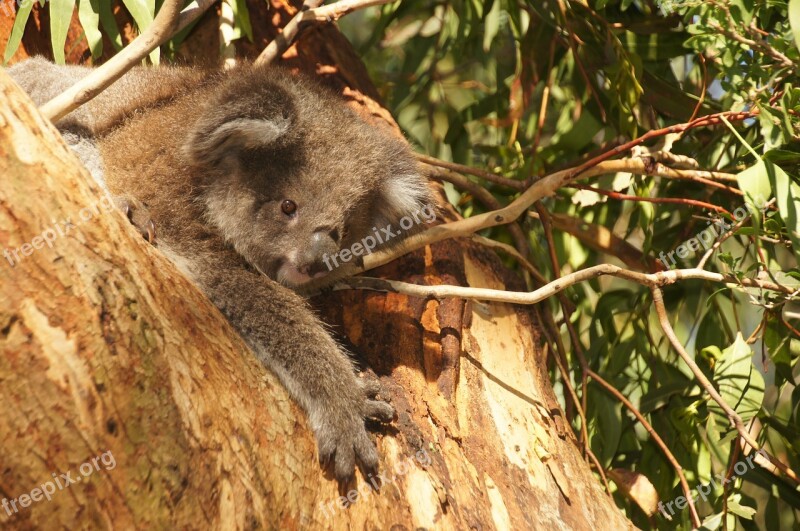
(118, 374)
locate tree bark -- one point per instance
(108, 351)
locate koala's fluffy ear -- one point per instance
(403, 195)
(221, 138)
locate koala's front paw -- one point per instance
(138, 215)
(342, 438)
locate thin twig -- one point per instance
(763, 47)
(702, 263)
(460, 168)
(566, 307)
(656, 439)
(656, 200)
(542, 188)
(584, 430)
(508, 249)
(311, 12)
(603, 240)
(288, 34)
(652, 280)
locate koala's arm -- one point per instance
(290, 340)
(137, 89)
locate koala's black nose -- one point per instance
(311, 259)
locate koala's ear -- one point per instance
(214, 141)
(403, 195)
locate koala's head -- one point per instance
(295, 181)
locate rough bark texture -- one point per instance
(107, 348)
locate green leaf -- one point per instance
(787, 193)
(242, 18)
(739, 382)
(794, 20)
(143, 12)
(89, 15)
(109, 24)
(60, 18)
(491, 26)
(735, 507)
(606, 433)
(16, 31)
(754, 182)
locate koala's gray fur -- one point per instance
(213, 156)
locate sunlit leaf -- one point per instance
(60, 18)
(794, 20)
(89, 15)
(787, 193)
(738, 381)
(143, 13)
(16, 31)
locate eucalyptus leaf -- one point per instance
(17, 29)
(143, 13)
(60, 19)
(89, 15)
(740, 384)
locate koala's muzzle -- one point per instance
(310, 259)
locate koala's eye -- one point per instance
(288, 207)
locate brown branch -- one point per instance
(311, 12)
(603, 240)
(651, 280)
(764, 48)
(656, 439)
(484, 197)
(656, 200)
(491, 177)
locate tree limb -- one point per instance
(169, 20)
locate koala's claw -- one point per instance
(378, 410)
(139, 217)
(347, 444)
(348, 449)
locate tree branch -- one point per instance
(544, 187)
(652, 280)
(311, 12)
(169, 20)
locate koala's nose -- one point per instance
(311, 259)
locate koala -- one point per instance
(253, 176)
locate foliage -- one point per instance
(525, 88)
(466, 81)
